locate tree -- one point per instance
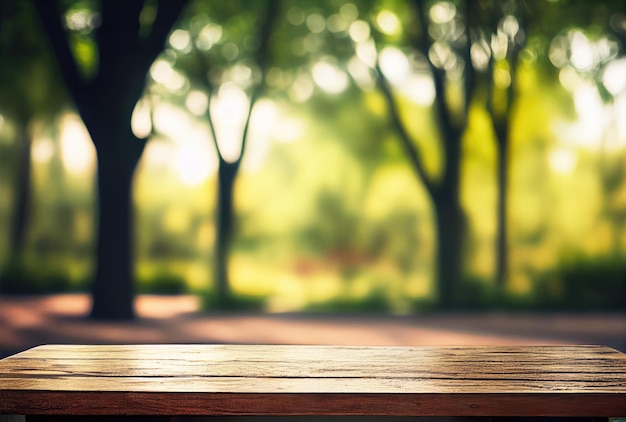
(502, 50)
(29, 90)
(104, 60)
(461, 44)
(226, 40)
(228, 169)
(447, 56)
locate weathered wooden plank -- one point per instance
(212, 385)
(141, 403)
(308, 380)
(550, 364)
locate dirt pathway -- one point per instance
(29, 321)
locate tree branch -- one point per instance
(469, 79)
(447, 130)
(168, 12)
(261, 58)
(203, 80)
(49, 16)
(405, 138)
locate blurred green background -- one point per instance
(399, 156)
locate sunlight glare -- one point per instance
(366, 51)
(499, 45)
(302, 88)
(441, 55)
(510, 26)
(140, 120)
(570, 79)
(360, 72)
(209, 35)
(77, 150)
(229, 110)
(421, 89)
(264, 116)
(480, 54)
(190, 153)
(197, 102)
(589, 130)
(563, 160)
(359, 31)
(329, 77)
(289, 130)
(42, 150)
(180, 39)
(582, 51)
(262, 123)
(591, 111)
(192, 164)
(442, 12)
(158, 152)
(614, 76)
(388, 22)
(170, 120)
(395, 65)
(81, 20)
(163, 73)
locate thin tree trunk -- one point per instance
(227, 173)
(450, 224)
(450, 239)
(502, 212)
(22, 197)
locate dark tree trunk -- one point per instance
(227, 173)
(113, 288)
(449, 221)
(105, 102)
(21, 210)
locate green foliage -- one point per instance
(234, 302)
(583, 283)
(374, 301)
(163, 283)
(20, 278)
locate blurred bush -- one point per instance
(233, 302)
(374, 301)
(583, 283)
(162, 283)
(20, 278)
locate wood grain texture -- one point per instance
(315, 380)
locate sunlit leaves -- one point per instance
(180, 40)
(81, 17)
(329, 77)
(81, 20)
(388, 23)
(576, 49)
(614, 76)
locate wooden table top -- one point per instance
(320, 380)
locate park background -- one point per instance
(400, 157)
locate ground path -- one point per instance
(29, 321)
